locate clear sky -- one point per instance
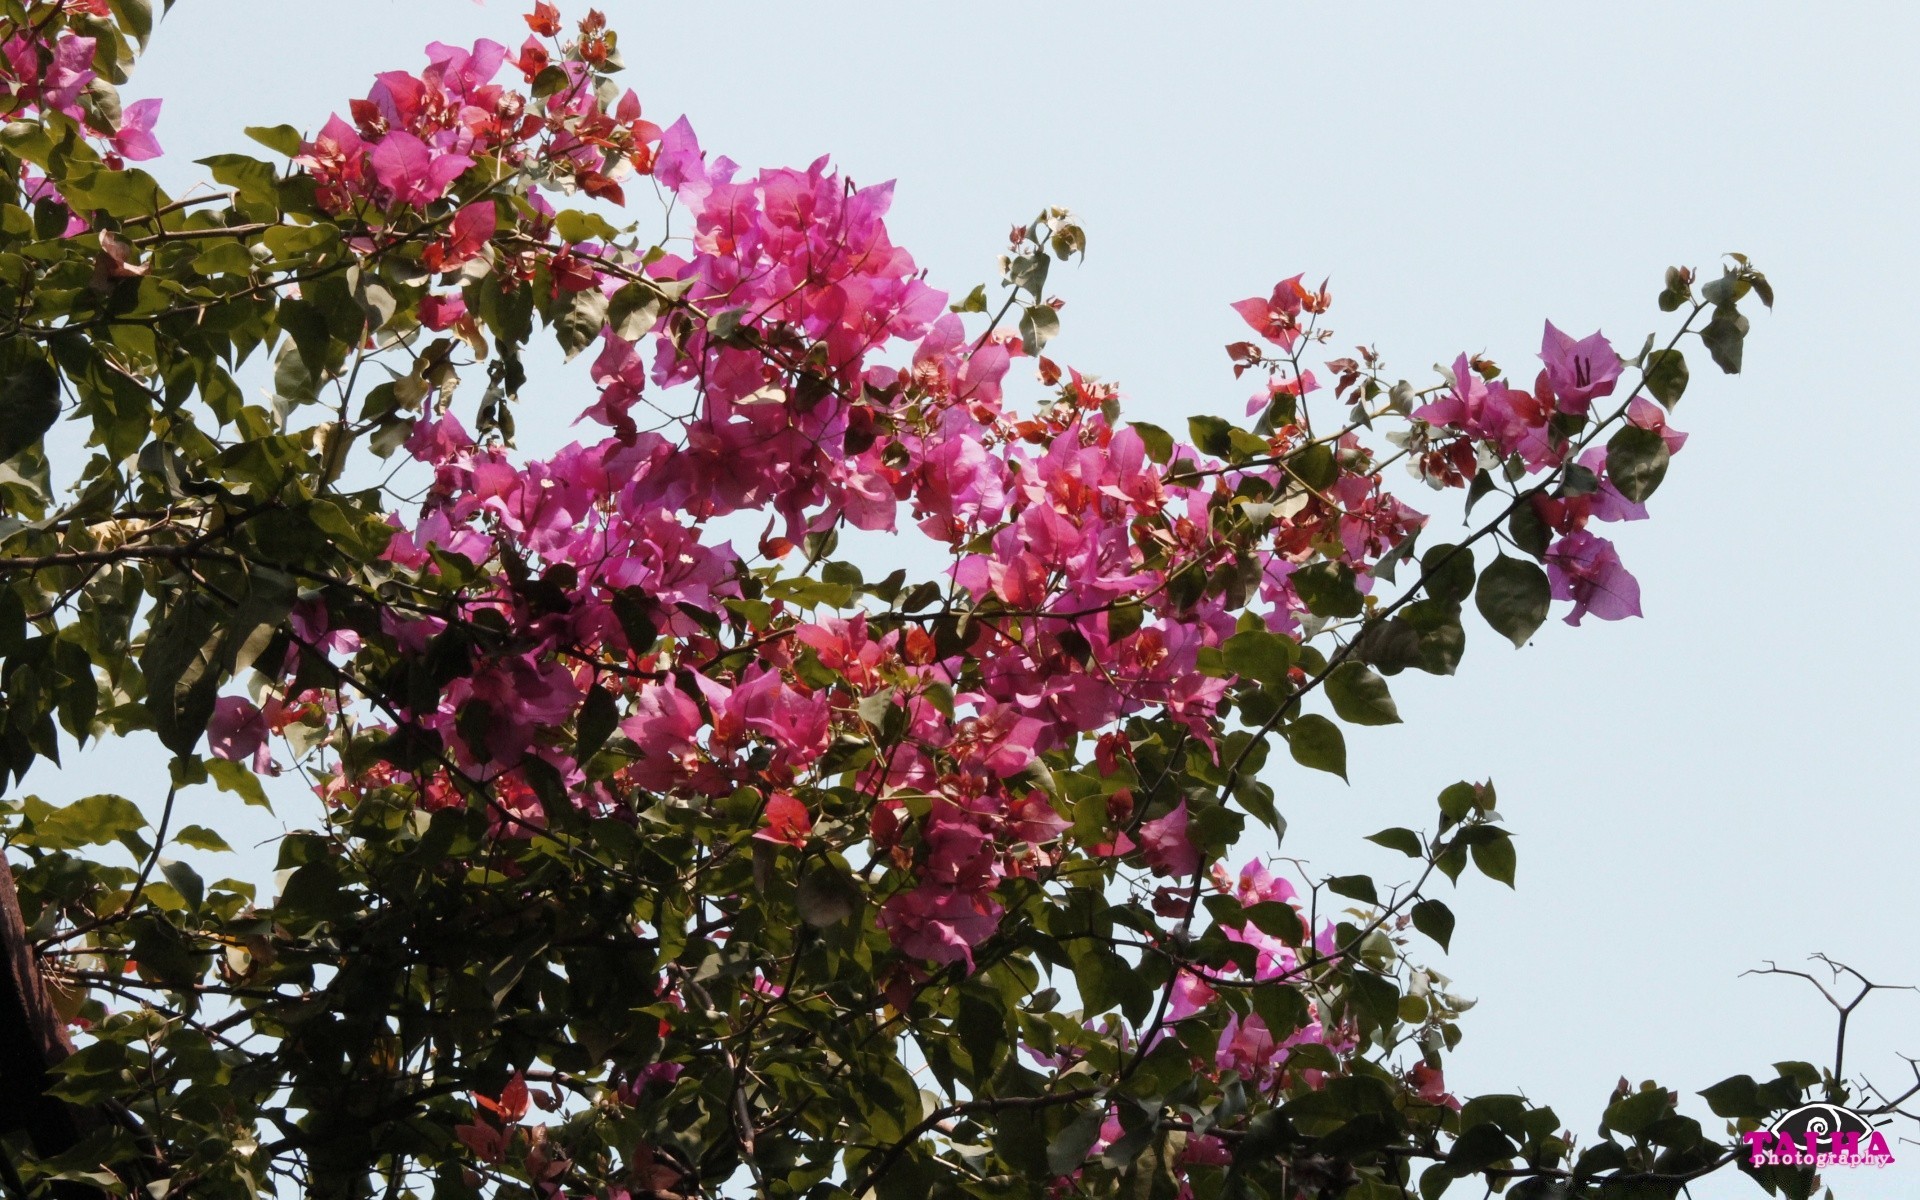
(1724, 782)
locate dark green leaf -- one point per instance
(1317, 742)
(1355, 887)
(1259, 655)
(29, 405)
(1211, 435)
(1736, 1097)
(598, 718)
(1514, 596)
(1636, 461)
(580, 322)
(1448, 572)
(1495, 858)
(827, 896)
(1360, 696)
(1067, 1152)
(1725, 335)
(1406, 841)
(1666, 372)
(1039, 324)
(1635, 1113)
(1327, 589)
(1434, 919)
(1158, 441)
(182, 665)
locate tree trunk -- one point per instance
(32, 1037)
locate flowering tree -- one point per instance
(665, 850)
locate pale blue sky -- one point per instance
(1726, 781)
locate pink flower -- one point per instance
(1577, 372)
(467, 237)
(1190, 995)
(1165, 843)
(939, 924)
(1648, 415)
(442, 312)
(135, 139)
(680, 167)
(1586, 570)
(1034, 820)
(664, 724)
(1430, 1085)
(788, 822)
(413, 173)
(1277, 317)
(238, 731)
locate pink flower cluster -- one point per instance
(413, 136)
(47, 68)
(1491, 417)
(798, 367)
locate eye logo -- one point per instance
(1819, 1135)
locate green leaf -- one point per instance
(236, 779)
(1457, 800)
(635, 612)
(1039, 324)
(1666, 376)
(1448, 571)
(186, 881)
(575, 225)
(1317, 742)
(135, 17)
(29, 405)
(1259, 655)
(1678, 290)
(1514, 596)
(975, 302)
(580, 322)
(181, 663)
(1406, 841)
(94, 821)
(1495, 858)
(1279, 920)
(253, 179)
(1354, 887)
(1725, 336)
(1375, 997)
(1736, 1097)
(1067, 1152)
(1211, 435)
(827, 896)
(201, 838)
(1635, 1113)
(1391, 645)
(633, 311)
(1434, 919)
(121, 194)
(1313, 465)
(1434, 1181)
(282, 139)
(1636, 461)
(1479, 1148)
(1360, 696)
(1158, 441)
(596, 722)
(1528, 531)
(1327, 589)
